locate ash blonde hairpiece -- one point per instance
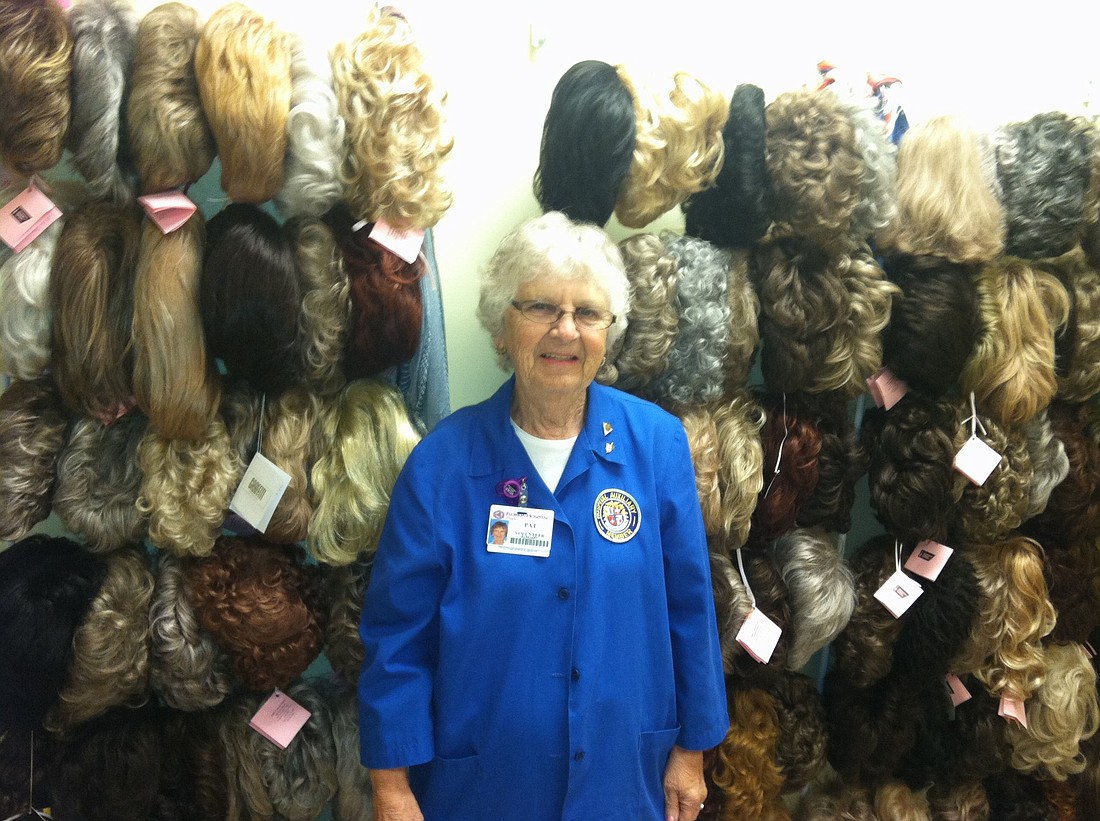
(654, 313)
(326, 305)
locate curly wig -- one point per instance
(36, 50)
(92, 301)
(877, 204)
(732, 604)
(291, 439)
(110, 663)
(32, 430)
(169, 136)
(821, 589)
(241, 409)
(744, 332)
(1011, 370)
(25, 320)
(1073, 576)
(972, 746)
(840, 463)
(702, 435)
(934, 321)
(186, 488)
(736, 210)
(800, 750)
(242, 64)
(1088, 796)
(654, 313)
(104, 34)
(965, 801)
(396, 138)
(678, 147)
(369, 435)
(770, 596)
(738, 421)
(353, 793)
(745, 768)
(1045, 169)
(836, 801)
(250, 297)
(1063, 713)
(896, 801)
(587, 143)
(262, 605)
(946, 205)
(791, 447)
(204, 758)
(315, 137)
(47, 585)
(343, 588)
(1077, 348)
(26, 761)
(98, 481)
(1014, 796)
(326, 304)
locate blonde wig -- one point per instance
(32, 429)
(110, 664)
(91, 295)
(103, 33)
(1003, 651)
(369, 435)
(186, 488)
(1078, 351)
(169, 136)
(836, 801)
(821, 589)
(396, 137)
(25, 305)
(174, 382)
(35, 68)
(896, 801)
(702, 434)
(745, 768)
(343, 587)
(654, 313)
(353, 792)
(744, 331)
(815, 166)
(98, 481)
(315, 137)
(326, 305)
(877, 205)
(242, 62)
(1062, 714)
(737, 423)
(946, 206)
(960, 802)
(291, 439)
(678, 147)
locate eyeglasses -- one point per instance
(547, 313)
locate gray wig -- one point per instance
(1049, 462)
(878, 190)
(25, 306)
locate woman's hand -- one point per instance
(393, 797)
(685, 788)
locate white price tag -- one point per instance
(406, 244)
(759, 635)
(976, 460)
(259, 492)
(899, 593)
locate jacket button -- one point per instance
(579, 755)
(576, 674)
(563, 593)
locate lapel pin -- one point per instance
(610, 446)
(607, 428)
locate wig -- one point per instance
(110, 663)
(32, 428)
(1077, 349)
(678, 147)
(965, 801)
(587, 143)
(1090, 243)
(877, 204)
(92, 301)
(250, 298)
(791, 444)
(1073, 575)
(896, 801)
(745, 767)
(315, 137)
(836, 801)
(737, 422)
(396, 138)
(934, 322)
(736, 210)
(946, 206)
(972, 746)
(552, 247)
(35, 68)
(104, 34)
(840, 463)
(702, 435)
(1088, 796)
(291, 439)
(263, 606)
(169, 136)
(732, 605)
(188, 670)
(242, 63)
(1062, 795)
(654, 313)
(815, 165)
(173, 382)
(1063, 712)
(1011, 370)
(1003, 650)
(1045, 168)
(369, 435)
(821, 589)
(25, 304)
(697, 359)
(353, 792)
(1014, 796)
(800, 750)
(240, 409)
(205, 760)
(343, 588)
(770, 597)
(46, 589)
(744, 333)
(326, 305)
(186, 488)
(26, 759)
(98, 481)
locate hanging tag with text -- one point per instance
(259, 492)
(25, 218)
(1012, 709)
(928, 559)
(280, 719)
(899, 593)
(976, 460)
(406, 244)
(886, 389)
(958, 691)
(169, 210)
(759, 635)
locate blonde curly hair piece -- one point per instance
(738, 421)
(744, 331)
(654, 314)
(1078, 372)
(292, 440)
(326, 305)
(702, 437)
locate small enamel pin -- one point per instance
(610, 446)
(607, 429)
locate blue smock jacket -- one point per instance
(520, 687)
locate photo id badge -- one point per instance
(521, 531)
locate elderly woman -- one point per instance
(573, 671)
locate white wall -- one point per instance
(974, 57)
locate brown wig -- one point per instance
(1077, 348)
(262, 604)
(353, 794)
(1014, 796)
(292, 440)
(32, 429)
(344, 587)
(1073, 575)
(800, 749)
(965, 801)
(731, 603)
(770, 596)
(1088, 796)
(326, 305)
(169, 136)
(745, 768)
(836, 801)
(26, 759)
(744, 332)
(204, 757)
(242, 63)
(840, 463)
(36, 49)
(791, 445)
(654, 314)
(738, 421)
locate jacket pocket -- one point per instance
(449, 787)
(653, 750)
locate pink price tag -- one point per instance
(759, 635)
(899, 593)
(169, 210)
(1012, 709)
(886, 389)
(406, 244)
(1089, 652)
(928, 559)
(976, 460)
(279, 719)
(26, 217)
(959, 693)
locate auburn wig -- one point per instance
(745, 768)
(792, 445)
(654, 314)
(32, 429)
(326, 305)
(738, 421)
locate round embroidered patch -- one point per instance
(617, 515)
